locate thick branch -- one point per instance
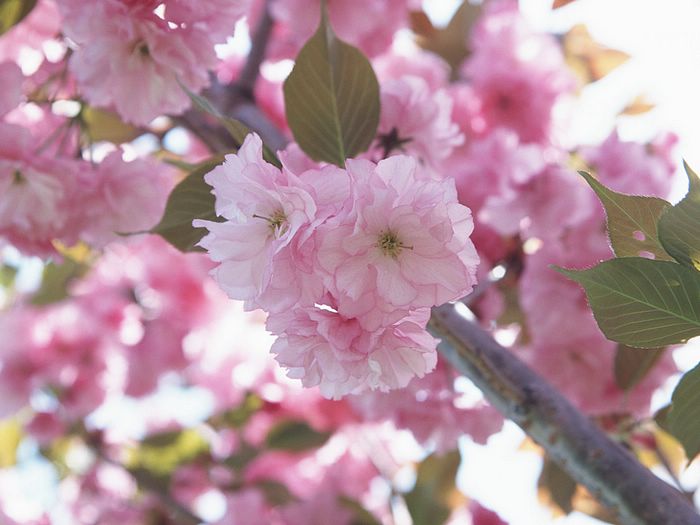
(609, 471)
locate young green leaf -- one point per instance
(191, 199)
(430, 501)
(10, 438)
(632, 365)
(683, 420)
(642, 303)
(295, 436)
(101, 124)
(679, 226)
(332, 98)
(12, 12)
(631, 221)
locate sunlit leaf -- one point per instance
(638, 106)
(162, 453)
(56, 281)
(683, 419)
(7, 275)
(191, 199)
(633, 364)
(561, 3)
(12, 12)
(641, 302)
(555, 488)
(238, 416)
(101, 124)
(435, 494)
(449, 42)
(679, 227)
(295, 436)
(584, 502)
(332, 98)
(590, 60)
(631, 221)
(10, 437)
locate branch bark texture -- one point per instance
(611, 473)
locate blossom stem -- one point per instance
(605, 468)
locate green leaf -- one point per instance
(10, 437)
(100, 124)
(191, 199)
(631, 221)
(432, 499)
(361, 516)
(235, 128)
(632, 365)
(683, 420)
(162, 453)
(679, 226)
(56, 281)
(332, 98)
(295, 436)
(276, 493)
(237, 417)
(12, 12)
(7, 275)
(642, 303)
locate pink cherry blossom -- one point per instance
(11, 79)
(415, 62)
(263, 246)
(633, 167)
(416, 120)
(123, 197)
(367, 24)
(404, 245)
(34, 194)
(130, 47)
(323, 347)
(519, 75)
(41, 24)
(432, 410)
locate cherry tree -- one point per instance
(282, 266)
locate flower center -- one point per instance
(390, 244)
(277, 222)
(140, 48)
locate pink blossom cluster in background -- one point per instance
(333, 271)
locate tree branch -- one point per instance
(609, 471)
(238, 100)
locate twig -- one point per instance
(251, 69)
(609, 471)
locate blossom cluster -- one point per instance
(347, 262)
(471, 173)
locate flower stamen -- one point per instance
(390, 244)
(277, 222)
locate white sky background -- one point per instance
(663, 39)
